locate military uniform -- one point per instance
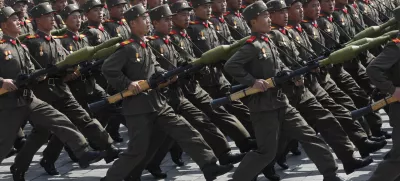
(384, 74)
(271, 104)
(370, 14)
(203, 35)
(117, 26)
(169, 59)
(48, 51)
(222, 29)
(148, 109)
(354, 67)
(237, 26)
(357, 16)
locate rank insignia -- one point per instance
(137, 57)
(41, 50)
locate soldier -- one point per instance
(135, 2)
(48, 51)
(203, 36)
(26, 24)
(354, 67)
(116, 25)
(169, 59)
(370, 14)
(271, 103)
(58, 6)
(218, 20)
(21, 104)
(384, 74)
(235, 21)
(148, 110)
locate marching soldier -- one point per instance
(354, 67)
(169, 59)
(203, 36)
(21, 104)
(384, 74)
(303, 100)
(58, 6)
(250, 65)
(218, 20)
(48, 51)
(237, 26)
(116, 25)
(148, 110)
(26, 24)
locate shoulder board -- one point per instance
(173, 32)
(58, 37)
(274, 27)
(226, 13)
(2, 41)
(108, 20)
(396, 40)
(194, 22)
(126, 42)
(92, 27)
(82, 36)
(243, 6)
(305, 21)
(32, 36)
(251, 39)
(153, 37)
(28, 21)
(209, 22)
(289, 27)
(123, 20)
(64, 36)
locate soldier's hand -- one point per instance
(173, 79)
(396, 93)
(135, 87)
(42, 78)
(9, 85)
(298, 81)
(261, 85)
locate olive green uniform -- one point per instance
(117, 27)
(21, 105)
(305, 102)
(49, 51)
(271, 112)
(237, 26)
(147, 110)
(384, 74)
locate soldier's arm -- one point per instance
(113, 66)
(377, 69)
(235, 65)
(91, 36)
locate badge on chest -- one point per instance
(137, 57)
(8, 55)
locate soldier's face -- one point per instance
(117, 11)
(280, 17)
(154, 3)
(12, 26)
(234, 4)
(95, 15)
(312, 9)
(219, 6)
(295, 12)
(164, 25)
(46, 22)
(262, 24)
(327, 6)
(60, 5)
(74, 21)
(181, 19)
(21, 7)
(203, 11)
(141, 25)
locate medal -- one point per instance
(161, 51)
(70, 49)
(202, 35)
(234, 24)
(137, 57)
(41, 51)
(9, 54)
(217, 28)
(6, 53)
(182, 44)
(263, 51)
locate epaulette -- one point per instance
(32, 36)
(305, 21)
(274, 27)
(194, 22)
(108, 20)
(243, 6)
(65, 36)
(173, 32)
(251, 39)
(153, 37)
(82, 36)
(289, 27)
(227, 13)
(2, 41)
(396, 40)
(126, 42)
(28, 21)
(58, 37)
